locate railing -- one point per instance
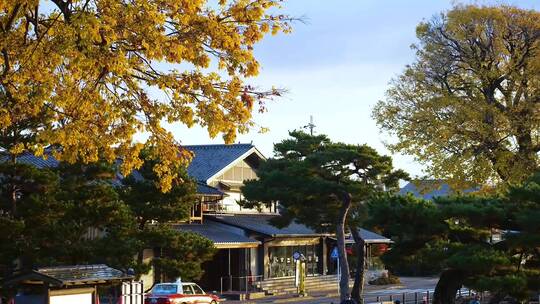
(239, 284)
(132, 292)
(422, 297)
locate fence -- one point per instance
(421, 297)
(132, 293)
(240, 284)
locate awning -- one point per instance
(369, 237)
(209, 191)
(231, 185)
(223, 236)
(260, 224)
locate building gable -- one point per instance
(237, 174)
(210, 161)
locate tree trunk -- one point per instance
(358, 287)
(342, 254)
(140, 254)
(449, 283)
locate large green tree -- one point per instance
(454, 236)
(317, 182)
(468, 107)
(51, 217)
(181, 254)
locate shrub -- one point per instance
(389, 280)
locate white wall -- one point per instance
(85, 298)
(230, 204)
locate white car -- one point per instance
(179, 293)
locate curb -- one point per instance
(293, 299)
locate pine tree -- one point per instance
(322, 184)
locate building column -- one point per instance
(229, 269)
(323, 256)
(266, 261)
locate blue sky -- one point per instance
(336, 67)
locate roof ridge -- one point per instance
(219, 145)
(82, 266)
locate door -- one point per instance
(311, 260)
(189, 295)
(201, 296)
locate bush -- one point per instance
(389, 280)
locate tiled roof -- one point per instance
(31, 159)
(222, 235)
(51, 162)
(210, 159)
(429, 189)
(259, 223)
(71, 275)
(369, 237)
(206, 190)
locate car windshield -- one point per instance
(165, 289)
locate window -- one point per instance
(164, 289)
(187, 289)
(198, 290)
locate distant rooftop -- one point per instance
(429, 189)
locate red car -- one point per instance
(179, 293)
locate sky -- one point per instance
(335, 67)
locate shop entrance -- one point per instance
(282, 263)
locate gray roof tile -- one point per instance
(204, 189)
(260, 223)
(28, 158)
(218, 233)
(210, 159)
(70, 275)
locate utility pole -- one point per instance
(310, 125)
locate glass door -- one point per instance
(311, 260)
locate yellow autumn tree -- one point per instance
(76, 75)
